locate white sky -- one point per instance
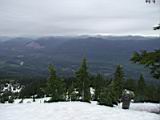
(78, 17)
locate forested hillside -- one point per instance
(20, 57)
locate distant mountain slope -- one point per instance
(25, 56)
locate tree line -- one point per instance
(85, 87)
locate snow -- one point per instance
(30, 100)
(149, 107)
(21, 63)
(70, 111)
(9, 87)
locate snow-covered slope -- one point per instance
(70, 111)
(148, 107)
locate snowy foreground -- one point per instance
(70, 111)
(148, 107)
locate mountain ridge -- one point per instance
(103, 54)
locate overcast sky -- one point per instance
(78, 17)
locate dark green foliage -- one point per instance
(55, 86)
(157, 93)
(98, 86)
(99, 83)
(83, 81)
(130, 84)
(112, 93)
(70, 84)
(35, 87)
(141, 87)
(107, 92)
(2, 99)
(118, 82)
(152, 93)
(107, 96)
(11, 99)
(7, 96)
(150, 60)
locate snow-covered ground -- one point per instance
(30, 100)
(70, 111)
(148, 107)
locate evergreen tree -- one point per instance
(83, 81)
(71, 93)
(141, 86)
(118, 82)
(150, 60)
(55, 86)
(111, 94)
(157, 94)
(98, 85)
(130, 84)
(107, 96)
(150, 93)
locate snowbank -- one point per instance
(70, 111)
(148, 107)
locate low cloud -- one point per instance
(76, 17)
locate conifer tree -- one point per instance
(55, 86)
(130, 84)
(107, 96)
(71, 92)
(141, 86)
(150, 60)
(157, 94)
(118, 82)
(111, 94)
(98, 85)
(83, 81)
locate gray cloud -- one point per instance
(75, 17)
